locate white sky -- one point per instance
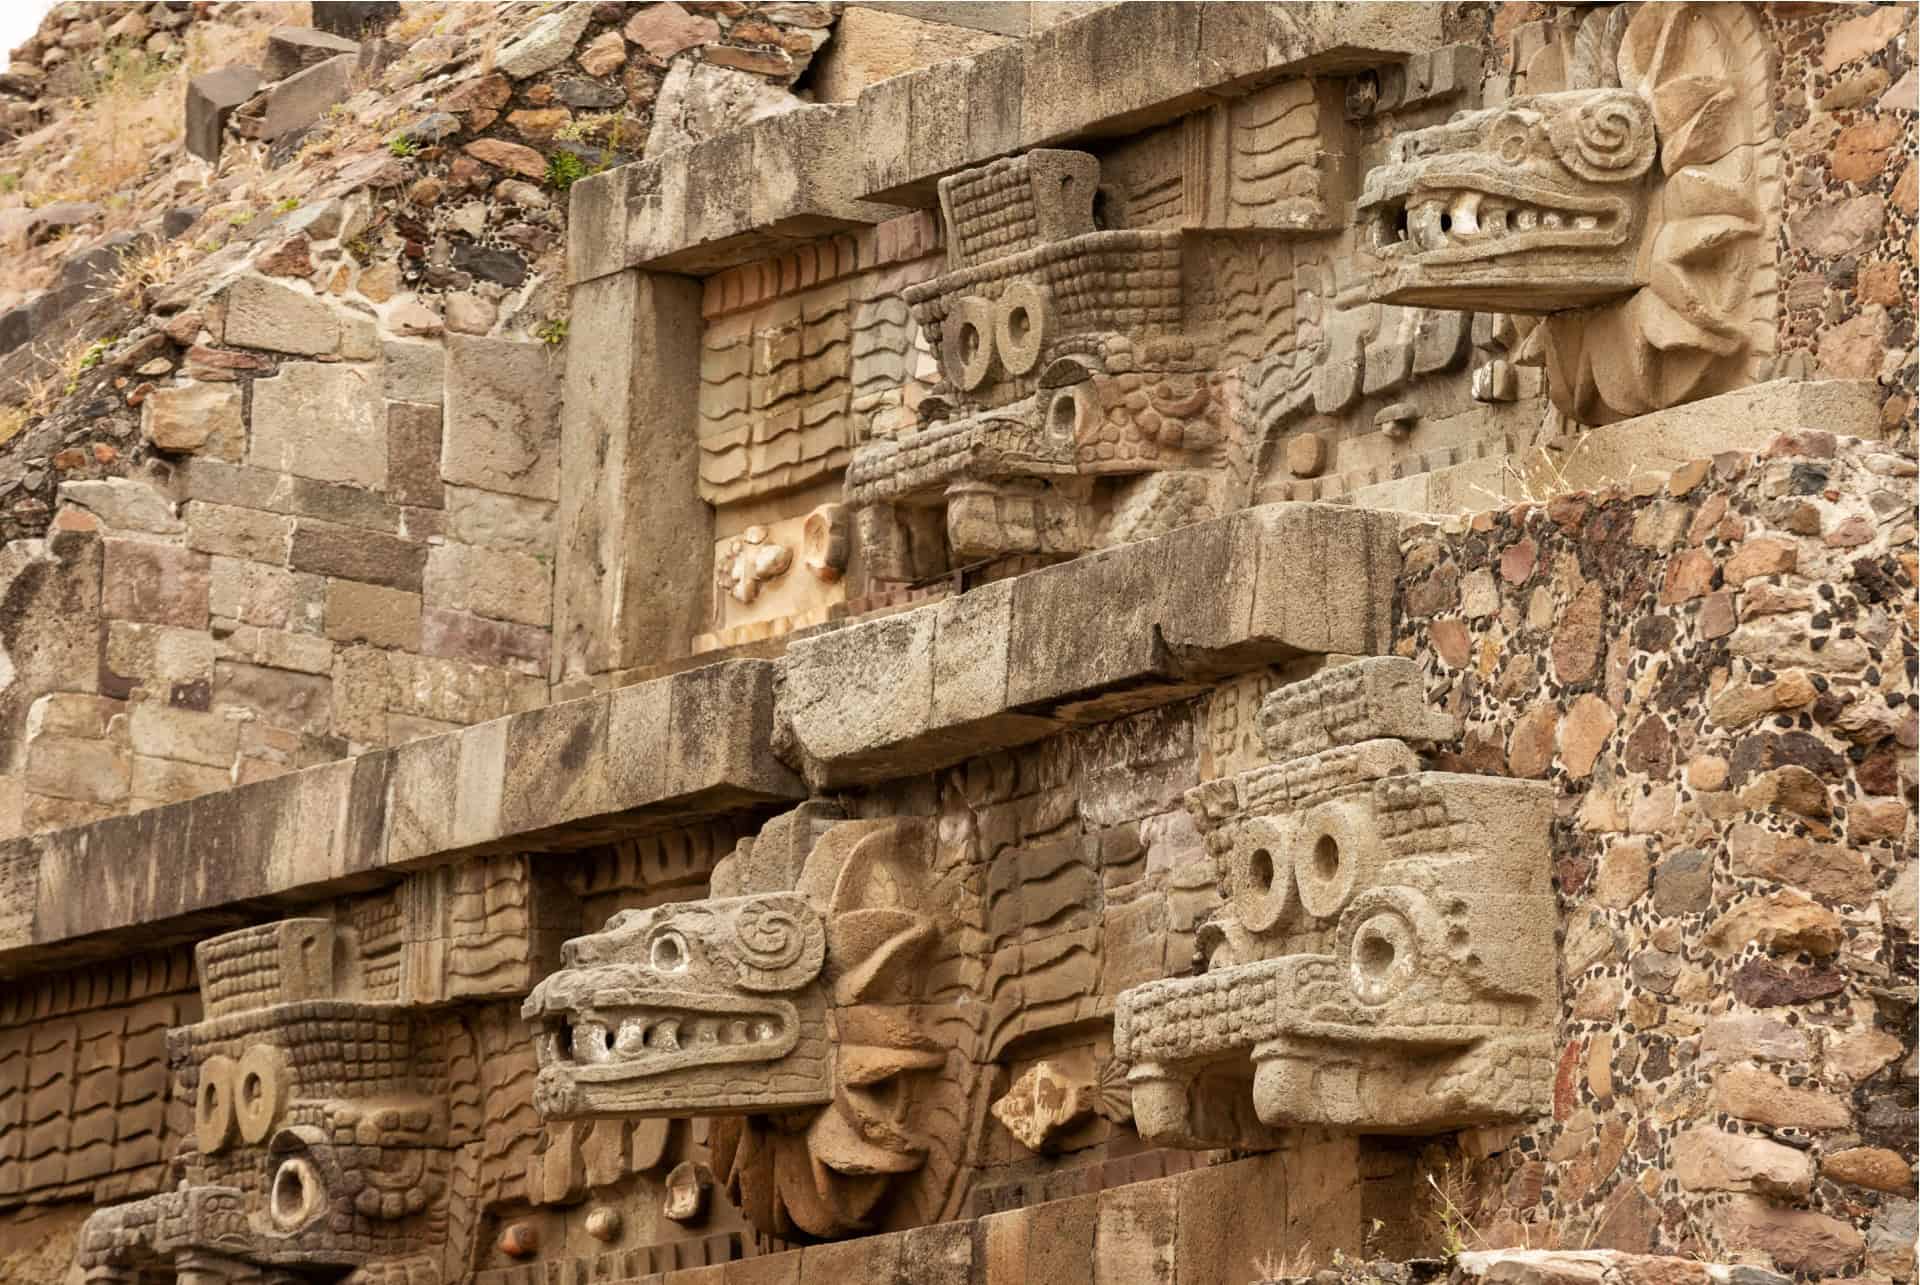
(18, 20)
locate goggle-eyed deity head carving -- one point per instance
(320, 1131)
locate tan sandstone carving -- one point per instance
(320, 1128)
(1384, 957)
(1067, 355)
(807, 1002)
(1636, 209)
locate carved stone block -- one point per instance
(320, 1136)
(1383, 961)
(807, 1010)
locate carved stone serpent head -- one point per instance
(1634, 209)
(805, 1018)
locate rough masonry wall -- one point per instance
(299, 502)
(1716, 671)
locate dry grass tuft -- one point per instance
(12, 420)
(57, 372)
(1273, 1266)
(145, 269)
(1450, 1223)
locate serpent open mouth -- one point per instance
(625, 1034)
(1456, 223)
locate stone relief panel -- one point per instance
(352, 1093)
(1081, 400)
(320, 1134)
(1635, 210)
(1383, 960)
(874, 1006)
(83, 1079)
(808, 1004)
(803, 357)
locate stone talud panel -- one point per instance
(803, 356)
(83, 1079)
(1633, 210)
(1385, 958)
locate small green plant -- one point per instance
(92, 357)
(609, 128)
(1455, 1226)
(240, 218)
(287, 206)
(551, 331)
(564, 169)
(9, 183)
(401, 145)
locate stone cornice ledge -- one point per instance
(1088, 640)
(754, 191)
(1000, 666)
(662, 753)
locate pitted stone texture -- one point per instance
(502, 417)
(321, 421)
(294, 49)
(1381, 697)
(545, 44)
(211, 98)
(124, 504)
(304, 97)
(267, 314)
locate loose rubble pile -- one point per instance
(411, 166)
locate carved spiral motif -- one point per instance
(1606, 139)
(779, 942)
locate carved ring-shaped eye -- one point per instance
(668, 952)
(1512, 139)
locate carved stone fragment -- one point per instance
(1069, 351)
(320, 1125)
(803, 1006)
(1044, 1103)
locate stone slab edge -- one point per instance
(580, 772)
(750, 192)
(1088, 640)
(1746, 419)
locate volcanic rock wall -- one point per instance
(1716, 671)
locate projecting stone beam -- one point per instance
(1115, 71)
(1088, 640)
(754, 191)
(582, 772)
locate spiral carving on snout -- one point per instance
(779, 943)
(1609, 138)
